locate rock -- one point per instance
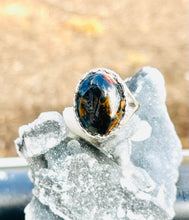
(39, 136)
(130, 175)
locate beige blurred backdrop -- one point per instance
(47, 45)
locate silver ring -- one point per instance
(103, 103)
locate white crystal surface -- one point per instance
(130, 175)
(36, 138)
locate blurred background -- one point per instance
(47, 45)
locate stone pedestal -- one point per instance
(130, 175)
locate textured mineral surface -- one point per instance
(130, 175)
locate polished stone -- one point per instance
(100, 103)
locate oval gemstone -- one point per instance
(100, 103)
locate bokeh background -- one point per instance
(47, 45)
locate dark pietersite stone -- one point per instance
(100, 103)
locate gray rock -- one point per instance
(130, 175)
(39, 136)
(36, 210)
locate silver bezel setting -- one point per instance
(132, 105)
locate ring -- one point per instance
(103, 103)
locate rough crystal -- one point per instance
(130, 175)
(39, 136)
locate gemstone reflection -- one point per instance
(100, 103)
